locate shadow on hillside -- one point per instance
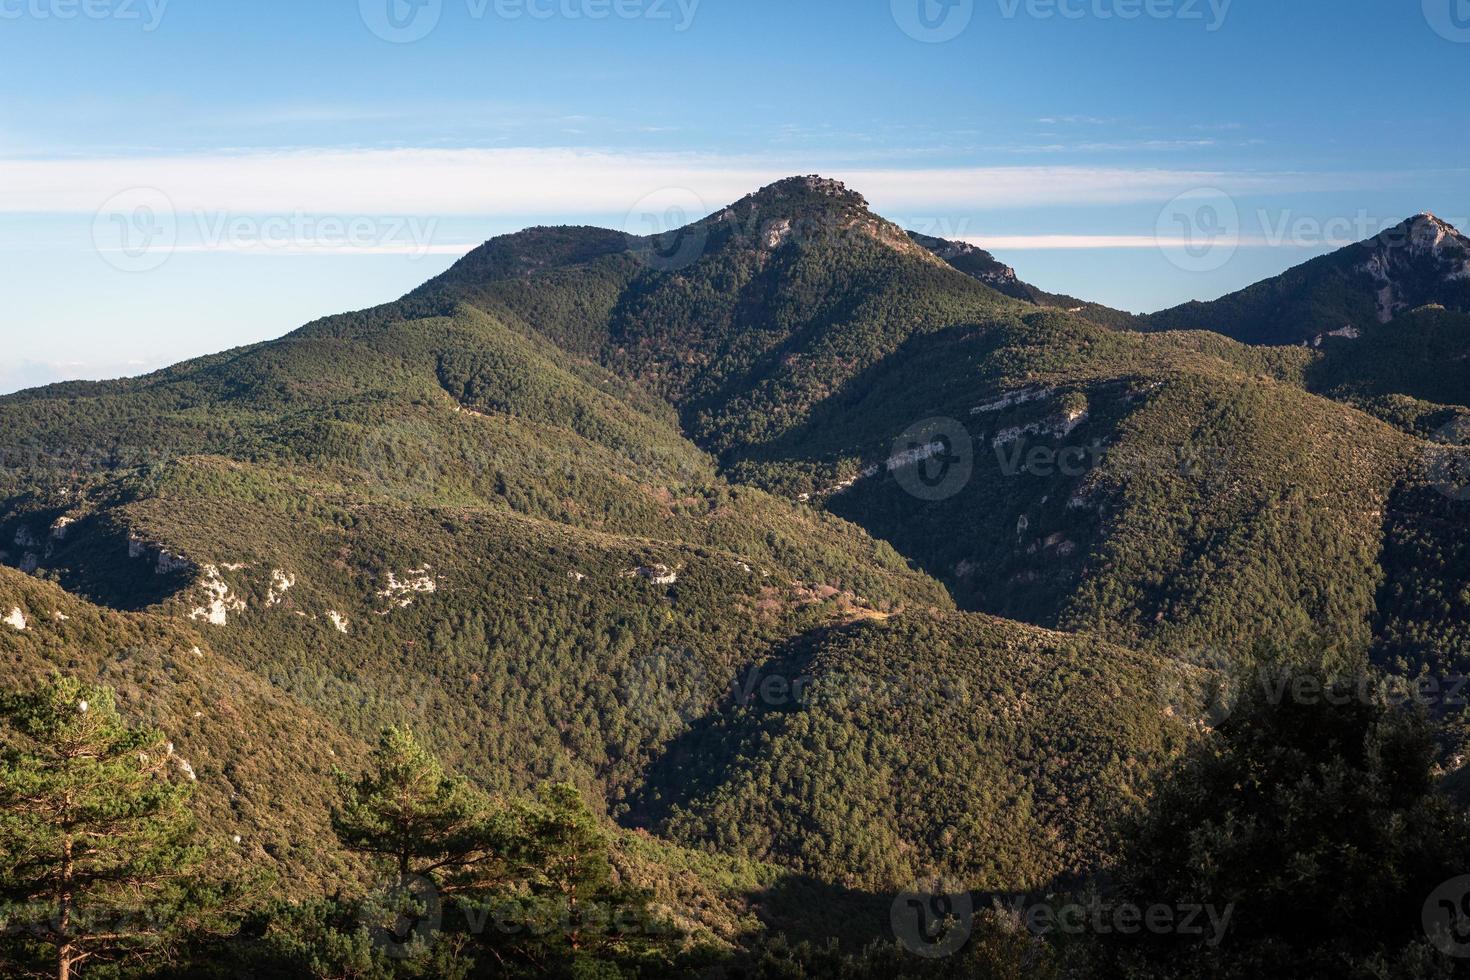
(807, 909)
(990, 524)
(703, 758)
(91, 558)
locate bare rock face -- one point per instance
(969, 259)
(220, 601)
(401, 593)
(281, 583)
(657, 574)
(1410, 265)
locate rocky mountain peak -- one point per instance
(811, 187)
(1427, 219)
(810, 210)
(1411, 263)
(1423, 234)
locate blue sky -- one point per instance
(183, 176)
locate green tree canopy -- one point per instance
(97, 846)
(1313, 816)
(406, 810)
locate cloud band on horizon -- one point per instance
(562, 181)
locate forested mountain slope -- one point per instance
(563, 509)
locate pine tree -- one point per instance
(584, 914)
(437, 836)
(96, 843)
(406, 811)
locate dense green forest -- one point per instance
(1301, 837)
(739, 579)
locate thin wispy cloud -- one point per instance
(1116, 146)
(550, 181)
(301, 249)
(1024, 243)
(1073, 121)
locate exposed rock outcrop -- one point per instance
(220, 600)
(416, 582)
(657, 574)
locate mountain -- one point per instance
(475, 511)
(1421, 262)
(977, 263)
(744, 320)
(787, 536)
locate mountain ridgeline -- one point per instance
(789, 536)
(1421, 262)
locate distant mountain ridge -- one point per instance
(977, 263)
(1420, 262)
